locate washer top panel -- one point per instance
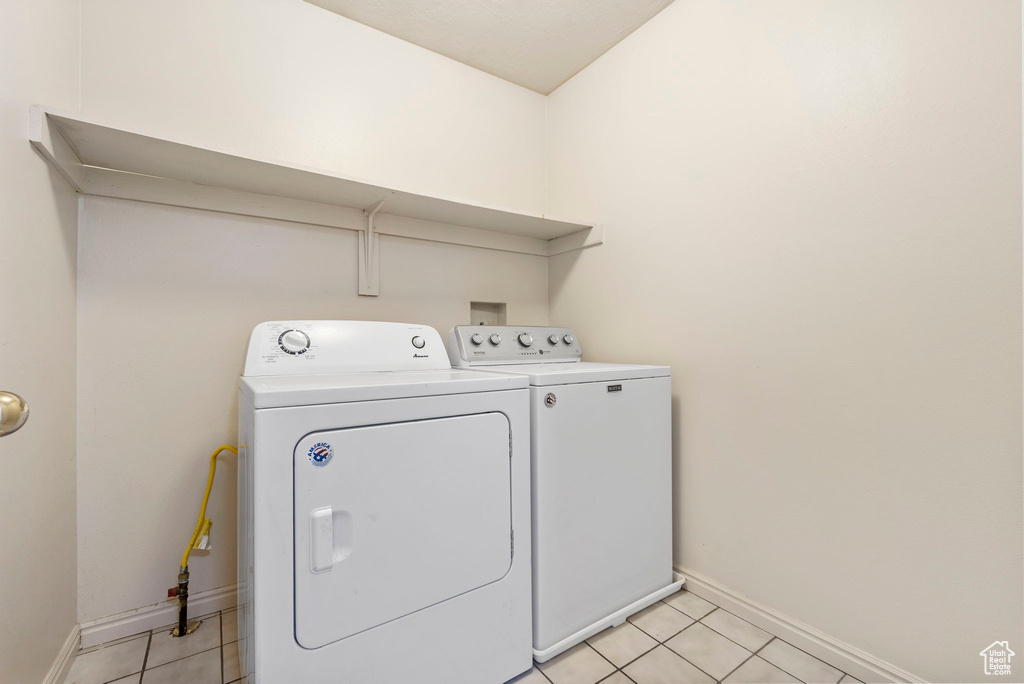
(544, 375)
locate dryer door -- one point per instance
(391, 519)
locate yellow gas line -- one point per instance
(206, 498)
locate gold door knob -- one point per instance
(13, 413)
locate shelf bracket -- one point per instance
(369, 254)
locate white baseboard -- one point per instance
(156, 615)
(861, 665)
(59, 669)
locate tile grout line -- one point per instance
(205, 650)
(669, 638)
(639, 656)
(672, 650)
(752, 656)
(773, 637)
(700, 620)
(111, 643)
(687, 659)
(642, 631)
(674, 634)
(811, 655)
(536, 666)
(125, 640)
(630, 662)
(615, 668)
(695, 619)
(802, 651)
(617, 671)
(776, 666)
(145, 658)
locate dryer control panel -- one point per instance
(327, 347)
(492, 345)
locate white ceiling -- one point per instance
(538, 44)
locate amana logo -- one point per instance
(320, 454)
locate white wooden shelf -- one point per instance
(112, 162)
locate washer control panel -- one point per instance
(488, 345)
(327, 347)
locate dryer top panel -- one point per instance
(332, 347)
(306, 390)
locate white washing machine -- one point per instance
(602, 479)
(384, 510)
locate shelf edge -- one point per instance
(129, 186)
(47, 136)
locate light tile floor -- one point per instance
(207, 656)
(681, 640)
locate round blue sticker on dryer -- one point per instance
(320, 454)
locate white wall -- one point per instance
(167, 300)
(814, 214)
(168, 296)
(283, 79)
(38, 219)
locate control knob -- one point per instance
(419, 342)
(568, 339)
(294, 342)
(495, 339)
(477, 339)
(553, 339)
(526, 340)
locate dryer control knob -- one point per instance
(568, 339)
(526, 340)
(419, 342)
(553, 339)
(477, 339)
(294, 342)
(495, 339)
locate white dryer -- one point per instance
(602, 478)
(384, 510)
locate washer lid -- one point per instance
(304, 390)
(542, 375)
